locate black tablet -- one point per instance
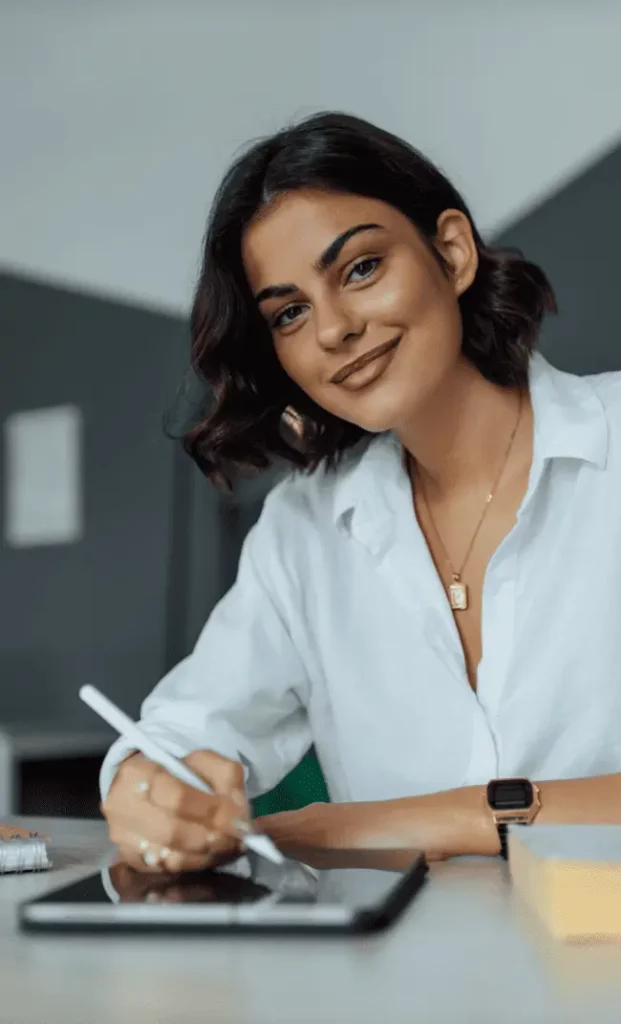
(319, 892)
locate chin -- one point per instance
(381, 412)
(377, 424)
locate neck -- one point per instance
(459, 439)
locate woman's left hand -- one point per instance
(442, 825)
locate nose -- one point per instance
(336, 325)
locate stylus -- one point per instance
(256, 841)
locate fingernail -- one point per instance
(241, 826)
(211, 837)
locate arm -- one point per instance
(450, 824)
(242, 692)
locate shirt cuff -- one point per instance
(177, 746)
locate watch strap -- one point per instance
(502, 835)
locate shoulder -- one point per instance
(607, 387)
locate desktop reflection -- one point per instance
(252, 878)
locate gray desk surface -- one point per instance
(466, 953)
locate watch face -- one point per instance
(510, 794)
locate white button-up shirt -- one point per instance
(338, 630)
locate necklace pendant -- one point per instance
(458, 595)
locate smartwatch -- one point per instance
(512, 802)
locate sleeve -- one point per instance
(243, 690)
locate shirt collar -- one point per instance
(569, 422)
(569, 418)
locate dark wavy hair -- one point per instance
(237, 427)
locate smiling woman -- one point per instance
(402, 604)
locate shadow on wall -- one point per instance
(573, 236)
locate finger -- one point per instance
(184, 801)
(162, 861)
(172, 862)
(132, 855)
(133, 779)
(144, 783)
(178, 863)
(141, 780)
(169, 861)
(161, 828)
(225, 777)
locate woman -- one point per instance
(431, 596)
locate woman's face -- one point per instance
(342, 278)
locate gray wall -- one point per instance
(111, 610)
(574, 237)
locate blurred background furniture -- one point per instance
(50, 768)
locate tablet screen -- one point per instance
(355, 879)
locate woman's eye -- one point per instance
(284, 319)
(364, 268)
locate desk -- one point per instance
(463, 954)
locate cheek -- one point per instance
(433, 315)
(422, 292)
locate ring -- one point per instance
(153, 858)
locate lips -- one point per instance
(362, 361)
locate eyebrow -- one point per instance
(325, 261)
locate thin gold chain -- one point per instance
(457, 575)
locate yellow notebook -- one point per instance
(571, 876)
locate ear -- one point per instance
(455, 242)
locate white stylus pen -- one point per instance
(256, 841)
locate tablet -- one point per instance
(323, 891)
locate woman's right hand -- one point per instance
(163, 825)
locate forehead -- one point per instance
(292, 231)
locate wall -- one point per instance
(118, 118)
(573, 236)
(95, 611)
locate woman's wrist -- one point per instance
(464, 826)
(449, 824)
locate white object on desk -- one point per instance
(104, 707)
(22, 853)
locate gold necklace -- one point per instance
(458, 591)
